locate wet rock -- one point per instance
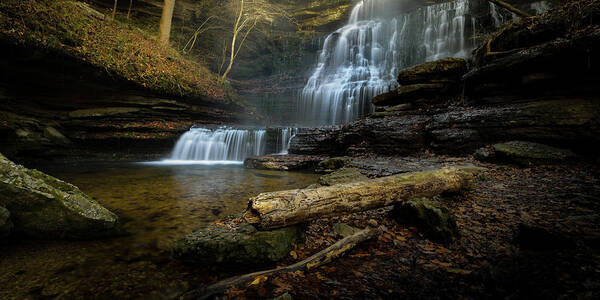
(409, 93)
(5, 222)
(399, 107)
(443, 70)
(344, 230)
(286, 162)
(332, 164)
(237, 243)
(528, 153)
(433, 219)
(344, 175)
(321, 140)
(45, 207)
(484, 154)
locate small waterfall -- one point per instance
(220, 144)
(229, 144)
(285, 138)
(363, 58)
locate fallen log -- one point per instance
(284, 208)
(316, 260)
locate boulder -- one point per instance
(45, 207)
(433, 219)
(528, 153)
(344, 175)
(447, 70)
(332, 164)
(237, 242)
(345, 230)
(5, 222)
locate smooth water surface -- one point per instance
(158, 204)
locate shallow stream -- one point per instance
(157, 204)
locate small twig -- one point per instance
(323, 257)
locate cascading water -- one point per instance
(226, 144)
(221, 144)
(363, 58)
(284, 139)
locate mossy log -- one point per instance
(323, 257)
(285, 208)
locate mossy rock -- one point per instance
(5, 223)
(331, 164)
(344, 175)
(528, 153)
(443, 70)
(434, 220)
(230, 243)
(45, 207)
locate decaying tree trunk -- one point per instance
(285, 208)
(316, 260)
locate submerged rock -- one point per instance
(237, 243)
(528, 153)
(433, 219)
(5, 223)
(344, 175)
(45, 207)
(286, 162)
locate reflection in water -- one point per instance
(157, 204)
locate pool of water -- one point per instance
(158, 203)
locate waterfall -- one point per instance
(228, 144)
(363, 58)
(285, 138)
(220, 144)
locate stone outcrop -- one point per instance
(234, 241)
(527, 153)
(433, 219)
(427, 83)
(42, 206)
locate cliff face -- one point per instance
(73, 82)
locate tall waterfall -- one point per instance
(363, 58)
(228, 144)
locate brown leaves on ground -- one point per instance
(119, 49)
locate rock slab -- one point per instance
(241, 243)
(42, 206)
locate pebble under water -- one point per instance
(157, 204)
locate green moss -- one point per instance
(240, 243)
(434, 220)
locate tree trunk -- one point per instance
(285, 208)
(164, 31)
(114, 11)
(129, 9)
(236, 30)
(510, 8)
(323, 257)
